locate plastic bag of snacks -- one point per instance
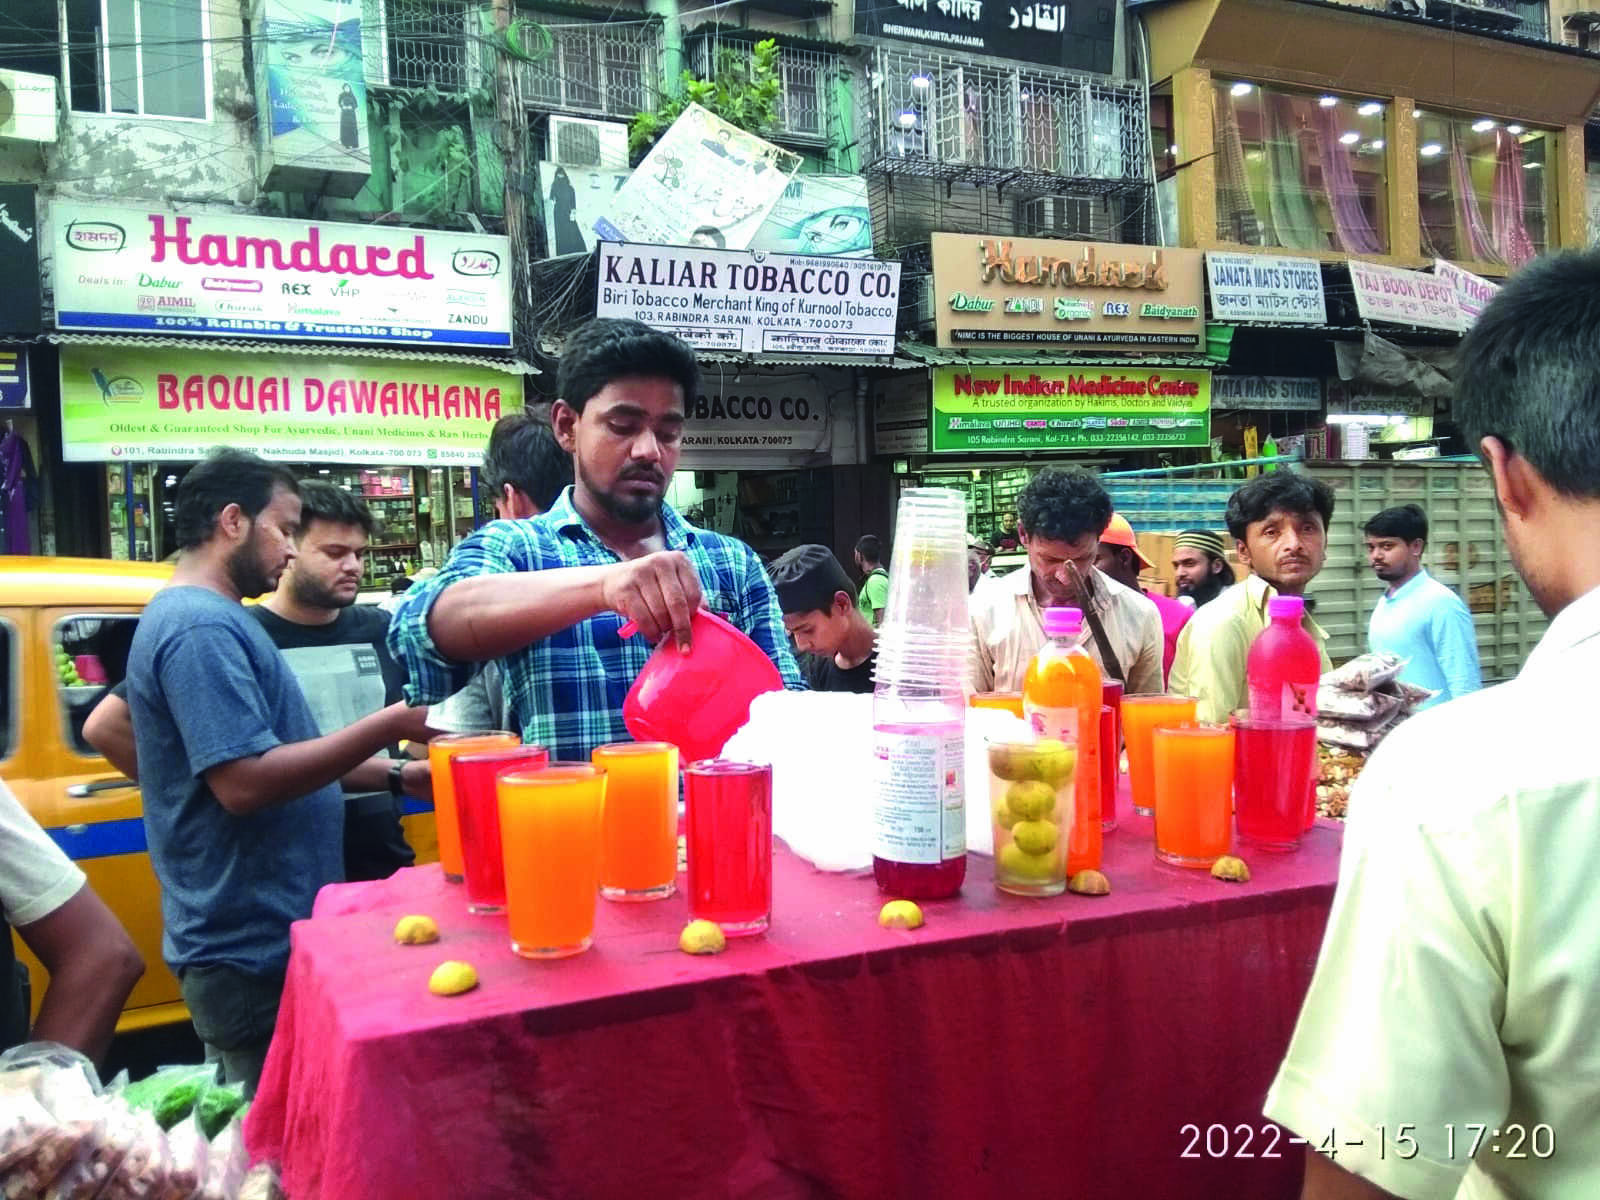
(50, 1118)
(227, 1165)
(1365, 673)
(172, 1093)
(1355, 707)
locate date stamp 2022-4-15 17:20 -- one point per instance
(1457, 1142)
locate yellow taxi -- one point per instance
(66, 626)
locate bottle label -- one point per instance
(1299, 700)
(1058, 723)
(920, 815)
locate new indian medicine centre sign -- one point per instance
(1018, 292)
(1068, 408)
(138, 270)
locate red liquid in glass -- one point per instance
(728, 832)
(478, 813)
(1272, 773)
(1110, 772)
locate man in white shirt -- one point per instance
(1060, 517)
(1448, 1044)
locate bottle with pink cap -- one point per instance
(1284, 664)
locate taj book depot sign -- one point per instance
(753, 303)
(139, 270)
(1032, 291)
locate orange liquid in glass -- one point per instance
(1072, 682)
(550, 831)
(1194, 794)
(1141, 716)
(639, 836)
(440, 751)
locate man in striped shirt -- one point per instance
(548, 596)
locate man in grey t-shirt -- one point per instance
(242, 804)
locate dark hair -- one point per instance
(607, 349)
(223, 477)
(321, 501)
(1528, 372)
(1278, 491)
(870, 548)
(1062, 506)
(807, 579)
(523, 452)
(1407, 522)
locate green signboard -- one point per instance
(177, 403)
(1068, 408)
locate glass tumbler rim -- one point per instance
(552, 773)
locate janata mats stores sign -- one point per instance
(1061, 408)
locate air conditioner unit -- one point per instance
(593, 145)
(27, 107)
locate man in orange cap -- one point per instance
(1121, 558)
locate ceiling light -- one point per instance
(1349, 139)
(1377, 143)
(1514, 130)
(907, 119)
(1431, 150)
(1482, 126)
(1328, 101)
(1172, 150)
(921, 81)
(1415, 113)
(1027, 95)
(1242, 88)
(1370, 109)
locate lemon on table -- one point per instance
(416, 931)
(1035, 837)
(452, 978)
(900, 914)
(1030, 799)
(702, 937)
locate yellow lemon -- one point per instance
(416, 931)
(702, 937)
(1230, 870)
(1035, 837)
(1011, 763)
(1004, 817)
(1053, 762)
(1030, 799)
(452, 978)
(1017, 864)
(900, 914)
(1089, 883)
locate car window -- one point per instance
(91, 657)
(8, 688)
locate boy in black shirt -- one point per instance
(837, 644)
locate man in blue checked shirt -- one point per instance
(548, 596)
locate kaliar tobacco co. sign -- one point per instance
(1035, 292)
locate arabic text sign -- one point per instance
(1473, 292)
(139, 270)
(1068, 408)
(119, 403)
(749, 303)
(1404, 297)
(1267, 393)
(1252, 287)
(705, 183)
(1058, 33)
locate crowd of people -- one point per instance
(273, 742)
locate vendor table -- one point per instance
(1097, 1046)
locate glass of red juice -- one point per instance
(478, 812)
(728, 831)
(1110, 767)
(1273, 765)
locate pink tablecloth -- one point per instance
(1010, 1047)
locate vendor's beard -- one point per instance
(628, 510)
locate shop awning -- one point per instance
(510, 366)
(923, 355)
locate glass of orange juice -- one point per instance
(1010, 702)
(440, 751)
(550, 833)
(639, 833)
(1194, 793)
(1141, 717)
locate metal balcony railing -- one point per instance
(414, 43)
(608, 70)
(806, 108)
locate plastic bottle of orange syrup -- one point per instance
(1061, 699)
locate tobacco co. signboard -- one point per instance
(1018, 292)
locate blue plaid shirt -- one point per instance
(565, 693)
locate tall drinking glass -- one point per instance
(639, 835)
(1141, 717)
(476, 780)
(440, 751)
(1110, 771)
(550, 832)
(1194, 794)
(1274, 761)
(728, 819)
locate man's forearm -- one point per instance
(474, 620)
(370, 776)
(296, 769)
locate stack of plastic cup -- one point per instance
(925, 635)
